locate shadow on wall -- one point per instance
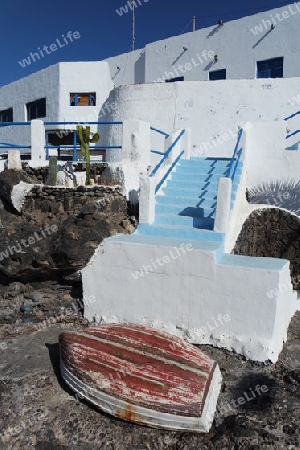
(139, 69)
(283, 194)
(272, 233)
(263, 37)
(213, 31)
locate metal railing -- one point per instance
(163, 133)
(165, 156)
(76, 146)
(291, 116)
(287, 119)
(159, 131)
(235, 157)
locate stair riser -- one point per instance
(202, 170)
(205, 173)
(178, 184)
(184, 202)
(187, 211)
(186, 177)
(204, 194)
(203, 163)
(192, 233)
(193, 222)
(180, 210)
(209, 195)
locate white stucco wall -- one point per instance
(56, 83)
(142, 102)
(213, 111)
(131, 68)
(41, 84)
(83, 77)
(186, 293)
(235, 44)
(237, 47)
(266, 158)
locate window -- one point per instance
(6, 115)
(217, 75)
(36, 109)
(270, 68)
(172, 80)
(83, 99)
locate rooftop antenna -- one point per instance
(194, 23)
(133, 23)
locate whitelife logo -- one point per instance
(132, 4)
(279, 17)
(53, 47)
(11, 250)
(159, 262)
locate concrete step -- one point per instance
(190, 192)
(178, 231)
(173, 200)
(185, 221)
(182, 210)
(218, 171)
(195, 176)
(207, 193)
(203, 195)
(207, 162)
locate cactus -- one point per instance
(83, 135)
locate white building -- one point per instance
(245, 73)
(264, 45)
(72, 92)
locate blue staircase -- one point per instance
(187, 208)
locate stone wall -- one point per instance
(58, 229)
(41, 174)
(273, 233)
(85, 200)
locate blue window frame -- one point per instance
(217, 75)
(83, 99)
(6, 115)
(270, 68)
(36, 109)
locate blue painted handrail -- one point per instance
(75, 146)
(157, 152)
(78, 146)
(83, 123)
(292, 134)
(13, 146)
(237, 163)
(166, 154)
(2, 124)
(292, 115)
(234, 153)
(159, 185)
(9, 145)
(159, 131)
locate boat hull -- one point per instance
(170, 385)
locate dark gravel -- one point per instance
(38, 411)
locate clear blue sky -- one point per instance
(29, 24)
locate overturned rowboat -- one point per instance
(142, 375)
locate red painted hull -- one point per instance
(138, 368)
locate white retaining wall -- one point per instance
(267, 158)
(186, 294)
